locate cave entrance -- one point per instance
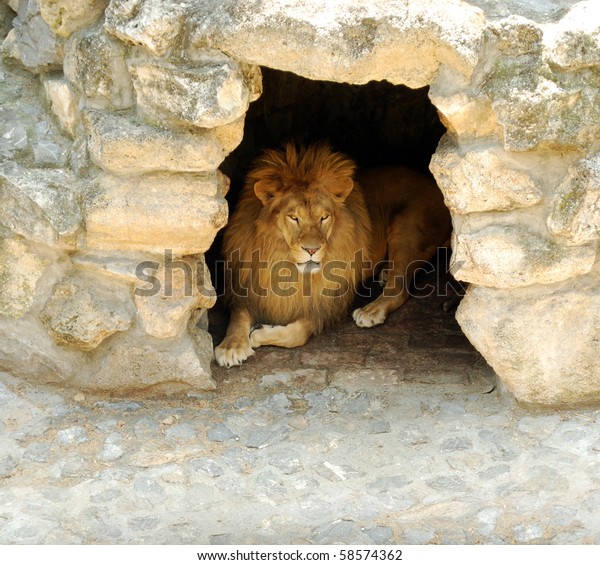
(375, 124)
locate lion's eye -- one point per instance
(325, 217)
(293, 218)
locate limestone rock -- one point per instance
(537, 106)
(155, 24)
(63, 102)
(574, 42)
(119, 265)
(21, 269)
(464, 116)
(27, 351)
(576, 207)
(480, 181)
(174, 290)
(85, 309)
(139, 362)
(352, 41)
(95, 65)
(41, 205)
(6, 17)
(122, 145)
(543, 343)
(154, 213)
(206, 95)
(67, 16)
(35, 44)
(511, 256)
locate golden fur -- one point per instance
(304, 236)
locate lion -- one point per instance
(308, 229)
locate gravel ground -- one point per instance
(295, 447)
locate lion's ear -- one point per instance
(266, 190)
(341, 188)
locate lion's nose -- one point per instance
(311, 250)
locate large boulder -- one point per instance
(156, 212)
(123, 145)
(543, 342)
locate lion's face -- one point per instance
(306, 222)
(303, 194)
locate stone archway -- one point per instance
(157, 92)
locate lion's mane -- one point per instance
(253, 244)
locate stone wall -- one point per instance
(143, 99)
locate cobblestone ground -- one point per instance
(394, 435)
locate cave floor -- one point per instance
(394, 435)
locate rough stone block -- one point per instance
(41, 205)
(67, 16)
(63, 102)
(136, 361)
(119, 265)
(574, 42)
(35, 44)
(538, 106)
(480, 181)
(154, 213)
(204, 95)
(27, 351)
(171, 291)
(511, 256)
(95, 65)
(121, 144)
(155, 24)
(543, 343)
(21, 269)
(348, 42)
(576, 208)
(465, 117)
(86, 308)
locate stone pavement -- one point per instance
(394, 435)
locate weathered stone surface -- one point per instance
(464, 116)
(137, 361)
(95, 65)
(155, 24)
(154, 213)
(576, 207)
(121, 144)
(537, 106)
(204, 95)
(542, 343)
(85, 309)
(120, 265)
(511, 256)
(67, 16)
(63, 102)
(41, 205)
(574, 42)
(480, 181)
(6, 17)
(21, 268)
(351, 41)
(27, 351)
(35, 44)
(166, 299)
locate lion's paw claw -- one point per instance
(366, 318)
(229, 355)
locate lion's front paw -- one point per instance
(233, 351)
(369, 316)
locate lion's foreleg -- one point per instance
(292, 335)
(409, 245)
(235, 348)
